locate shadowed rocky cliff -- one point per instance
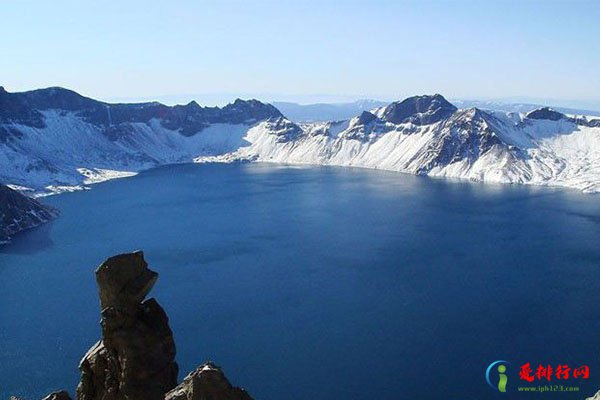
(135, 358)
(19, 213)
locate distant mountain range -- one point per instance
(54, 139)
(322, 112)
(519, 107)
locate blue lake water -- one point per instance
(317, 283)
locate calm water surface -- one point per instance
(317, 283)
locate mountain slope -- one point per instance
(426, 135)
(53, 140)
(19, 212)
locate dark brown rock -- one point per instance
(135, 360)
(62, 395)
(207, 382)
(124, 280)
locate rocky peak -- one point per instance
(362, 128)
(247, 110)
(366, 118)
(15, 109)
(58, 98)
(419, 110)
(471, 114)
(135, 359)
(192, 118)
(207, 382)
(592, 123)
(124, 281)
(27, 108)
(546, 113)
(283, 128)
(193, 105)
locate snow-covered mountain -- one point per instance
(19, 212)
(427, 135)
(54, 139)
(323, 112)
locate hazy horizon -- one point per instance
(221, 99)
(306, 52)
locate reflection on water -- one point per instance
(30, 242)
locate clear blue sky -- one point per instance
(303, 49)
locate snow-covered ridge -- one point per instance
(425, 135)
(54, 140)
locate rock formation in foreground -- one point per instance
(135, 359)
(207, 382)
(62, 395)
(19, 212)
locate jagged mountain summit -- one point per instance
(53, 140)
(28, 108)
(426, 135)
(418, 110)
(323, 112)
(19, 213)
